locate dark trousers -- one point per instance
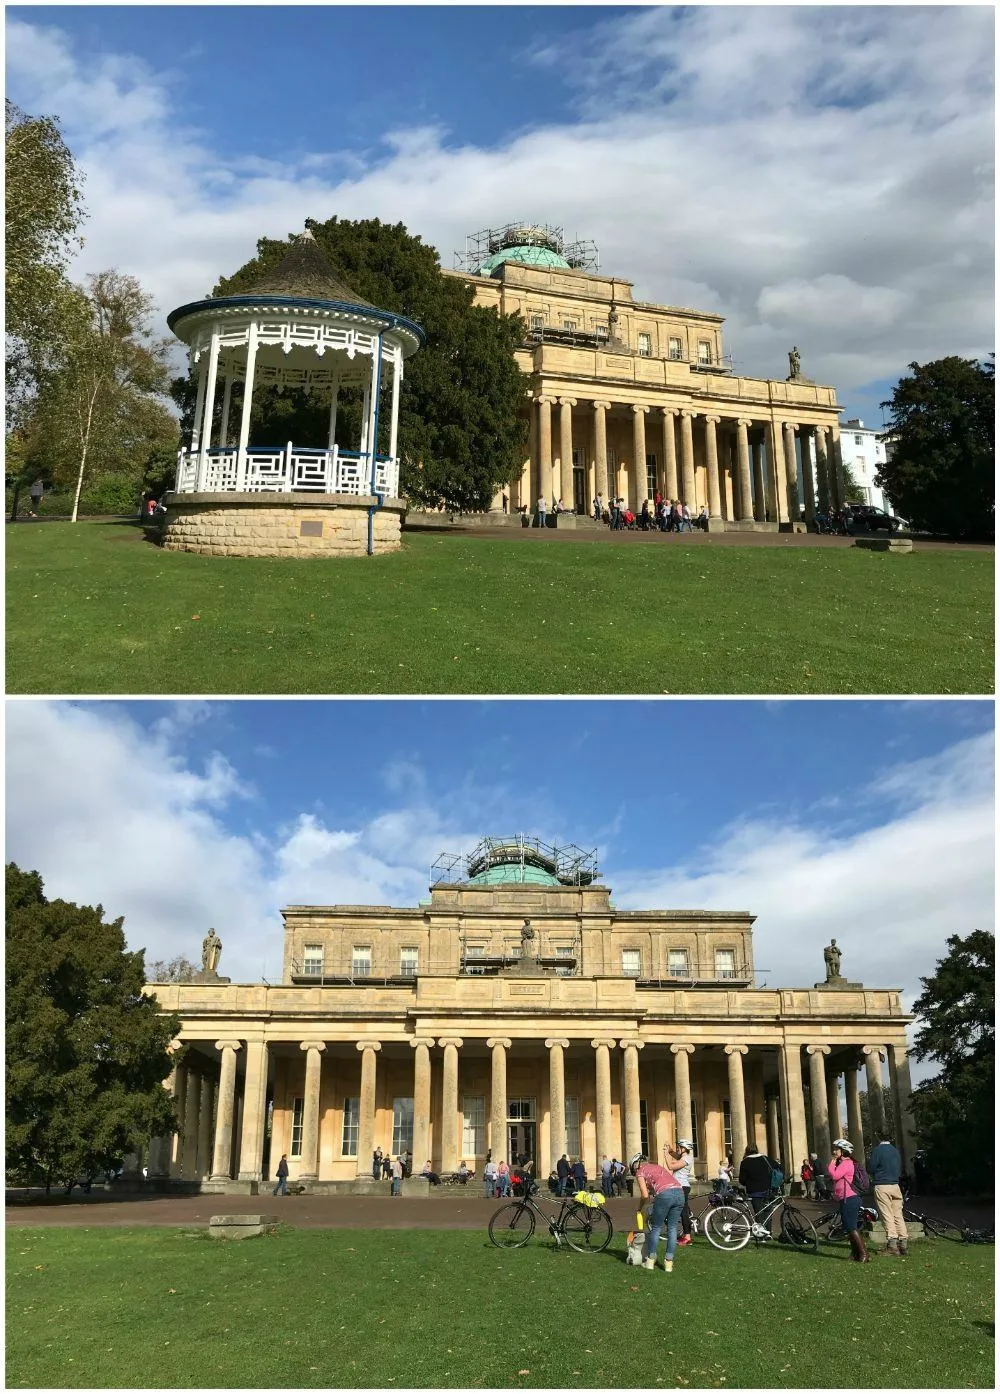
(686, 1212)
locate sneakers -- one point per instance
(668, 1265)
(649, 1263)
(684, 1239)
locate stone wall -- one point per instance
(279, 525)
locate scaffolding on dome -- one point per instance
(570, 864)
(581, 254)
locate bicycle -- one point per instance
(731, 1226)
(834, 1229)
(933, 1227)
(587, 1229)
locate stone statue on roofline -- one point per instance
(831, 957)
(211, 950)
(794, 364)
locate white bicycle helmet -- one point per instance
(634, 1161)
(686, 1143)
(843, 1144)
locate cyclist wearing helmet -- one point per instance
(667, 1194)
(682, 1152)
(841, 1173)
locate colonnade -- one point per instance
(749, 464)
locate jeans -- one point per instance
(489, 1187)
(281, 1186)
(503, 1186)
(606, 1185)
(563, 1183)
(667, 1206)
(686, 1211)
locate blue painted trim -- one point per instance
(386, 317)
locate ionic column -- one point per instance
(606, 1147)
(566, 405)
(639, 455)
(420, 1046)
(601, 449)
(854, 1129)
(222, 1152)
(366, 1105)
(759, 500)
(671, 487)
(499, 1045)
(192, 1103)
(774, 1150)
(835, 468)
(793, 1105)
(254, 1111)
(633, 1118)
(899, 1076)
(712, 462)
(817, 1093)
(688, 491)
(309, 1167)
(682, 1090)
(557, 1098)
(449, 1103)
(808, 485)
(873, 1070)
(833, 1104)
(743, 459)
(544, 450)
(776, 457)
(737, 1099)
(204, 1167)
(180, 1084)
(822, 470)
(791, 472)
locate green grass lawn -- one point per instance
(171, 1308)
(94, 608)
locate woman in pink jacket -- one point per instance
(841, 1173)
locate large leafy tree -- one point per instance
(86, 1050)
(941, 472)
(44, 211)
(462, 431)
(954, 1112)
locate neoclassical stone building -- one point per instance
(515, 1009)
(629, 397)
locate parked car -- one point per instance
(863, 517)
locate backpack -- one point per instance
(862, 1181)
(777, 1178)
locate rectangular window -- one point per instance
(472, 952)
(704, 351)
(727, 1127)
(571, 324)
(631, 963)
(564, 951)
(601, 331)
(725, 963)
(402, 1127)
(859, 440)
(538, 321)
(676, 350)
(695, 1128)
(361, 961)
(645, 345)
(312, 960)
(512, 948)
(650, 476)
(298, 1109)
(352, 1116)
(644, 1127)
(677, 963)
(521, 1110)
(473, 1125)
(573, 1147)
(408, 962)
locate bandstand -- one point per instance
(298, 328)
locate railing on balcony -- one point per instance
(265, 469)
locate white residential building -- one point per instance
(863, 454)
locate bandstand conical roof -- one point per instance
(304, 273)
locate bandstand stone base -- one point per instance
(280, 525)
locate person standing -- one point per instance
(489, 1177)
(376, 1164)
(396, 1189)
(541, 510)
(806, 1173)
(884, 1166)
(281, 1185)
(579, 1175)
(667, 1194)
(563, 1171)
(682, 1153)
(503, 1179)
(605, 1177)
(845, 1193)
(36, 491)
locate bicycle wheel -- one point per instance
(798, 1229)
(727, 1228)
(587, 1231)
(512, 1226)
(943, 1229)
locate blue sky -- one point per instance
(871, 821)
(821, 176)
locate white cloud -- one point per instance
(819, 175)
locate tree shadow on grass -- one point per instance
(988, 1326)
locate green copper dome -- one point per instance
(527, 256)
(507, 872)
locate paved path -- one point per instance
(624, 538)
(467, 1209)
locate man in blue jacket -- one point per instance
(883, 1169)
(563, 1171)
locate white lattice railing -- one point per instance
(283, 470)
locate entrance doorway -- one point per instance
(521, 1126)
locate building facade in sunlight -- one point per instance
(633, 399)
(517, 1010)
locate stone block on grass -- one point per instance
(241, 1226)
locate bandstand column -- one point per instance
(601, 451)
(421, 1098)
(822, 470)
(309, 1166)
(682, 1091)
(222, 1153)
(808, 484)
(791, 472)
(499, 1045)
(639, 455)
(208, 410)
(633, 1118)
(205, 1115)
(873, 1070)
(254, 1111)
(737, 1099)
(855, 1131)
(227, 394)
(833, 1104)
(817, 1095)
(241, 459)
(690, 493)
(397, 379)
(544, 454)
(670, 488)
(366, 1105)
(566, 405)
(793, 1105)
(199, 404)
(606, 1146)
(712, 462)
(334, 395)
(743, 463)
(557, 1098)
(899, 1076)
(449, 1102)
